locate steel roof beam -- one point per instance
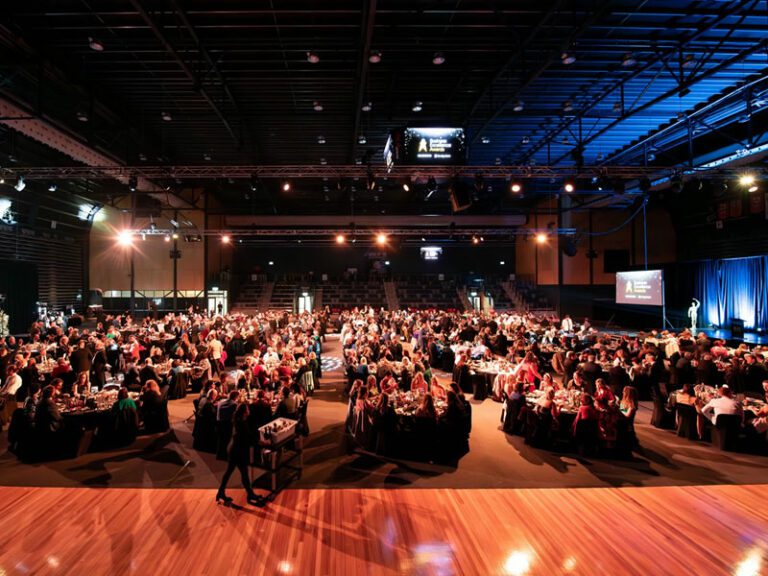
(366, 38)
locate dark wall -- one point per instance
(335, 260)
(18, 285)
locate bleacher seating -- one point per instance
(283, 296)
(348, 294)
(424, 292)
(249, 296)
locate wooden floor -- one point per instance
(666, 530)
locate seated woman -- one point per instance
(548, 383)
(153, 411)
(547, 403)
(289, 405)
(427, 408)
(388, 384)
(603, 392)
(418, 384)
(586, 413)
(437, 390)
(126, 418)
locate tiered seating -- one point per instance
(423, 292)
(500, 297)
(347, 294)
(531, 296)
(249, 296)
(283, 296)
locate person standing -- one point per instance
(80, 360)
(693, 314)
(239, 456)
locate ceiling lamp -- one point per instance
(567, 106)
(340, 239)
(541, 238)
(519, 106)
(82, 116)
(133, 183)
(525, 140)
(125, 238)
(316, 106)
(166, 116)
(286, 187)
(418, 106)
(52, 187)
(381, 239)
(515, 187)
(485, 140)
(367, 107)
(207, 157)
(628, 60)
(225, 239)
(321, 139)
(323, 161)
(567, 58)
(406, 187)
(375, 57)
(438, 59)
(362, 139)
(20, 184)
(569, 186)
(312, 58)
(95, 45)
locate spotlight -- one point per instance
(431, 187)
(628, 60)
(133, 183)
(286, 186)
(340, 239)
(519, 106)
(747, 180)
(173, 223)
(323, 161)
(362, 139)
(374, 57)
(367, 107)
(475, 240)
(95, 45)
(567, 58)
(438, 59)
(371, 180)
(82, 116)
(166, 116)
(418, 106)
(381, 239)
(2, 179)
(255, 182)
(52, 187)
(225, 239)
(125, 238)
(569, 186)
(526, 140)
(515, 187)
(541, 238)
(20, 184)
(312, 58)
(316, 106)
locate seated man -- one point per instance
(724, 403)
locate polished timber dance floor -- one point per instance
(671, 530)
(678, 507)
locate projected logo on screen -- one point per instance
(641, 287)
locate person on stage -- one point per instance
(693, 314)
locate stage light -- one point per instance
(125, 238)
(374, 57)
(173, 223)
(431, 187)
(52, 187)
(286, 186)
(133, 183)
(418, 106)
(541, 238)
(2, 179)
(82, 116)
(501, 263)
(312, 58)
(617, 107)
(525, 140)
(518, 563)
(475, 240)
(747, 180)
(689, 61)
(381, 239)
(271, 263)
(515, 187)
(569, 186)
(519, 106)
(95, 45)
(367, 107)
(317, 107)
(567, 58)
(225, 239)
(207, 157)
(438, 59)
(20, 184)
(340, 239)
(628, 60)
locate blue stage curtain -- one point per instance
(734, 288)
